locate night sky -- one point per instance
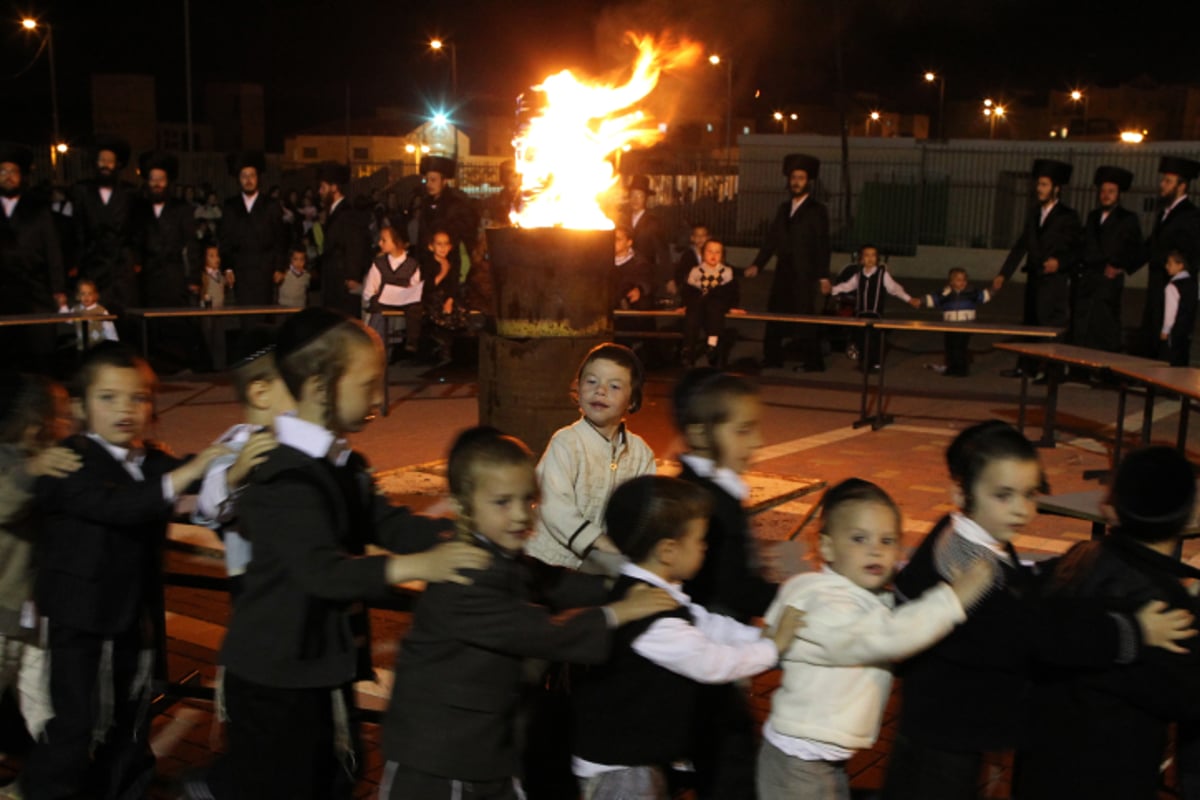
(305, 53)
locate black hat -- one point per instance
(304, 327)
(236, 162)
(1059, 172)
(252, 345)
(1153, 493)
(440, 164)
(118, 146)
(1185, 168)
(795, 161)
(17, 154)
(1123, 178)
(156, 159)
(332, 172)
(640, 183)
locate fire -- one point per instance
(563, 155)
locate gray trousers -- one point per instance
(631, 783)
(782, 777)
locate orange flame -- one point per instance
(564, 154)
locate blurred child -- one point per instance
(442, 295)
(294, 282)
(35, 413)
(299, 635)
(450, 729)
(719, 416)
(837, 675)
(957, 303)
(99, 582)
(213, 283)
(395, 281)
(631, 276)
(710, 292)
(870, 284)
(1179, 310)
(633, 713)
(968, 694)
(90, 334)
(588, 459)
(1104, 733)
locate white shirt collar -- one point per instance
(625, 259)
(105, 194)
(1182, 274)
(10, 204)
(631, 570)
(724, 477)
(158, 209)
(971, 531)
(396, 261)
(636, 217)
(798, 201)
(335, 204)
(309, 438)
(248, 200)
(120, 454)
(1171, 207)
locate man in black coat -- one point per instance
(1049, 246)
(348, 252)
(1112, 248)
(252, 236)
(103, 209)
(649, 234)
(1176, 227)
(32, 279)
(799, 239)
(441, 207)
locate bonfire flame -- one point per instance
(563, 155)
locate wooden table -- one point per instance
(14, 320)
(1155, 376)
(147, 314)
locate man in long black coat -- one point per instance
(252, 236)
(1112, 248)
(347, 253)
(649, 235)
(102, 210)
(441, 207)
(1176, 227)
(799, 239)
(32, 279)
(1049, 246)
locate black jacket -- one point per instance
(454, 703)
(254, 245)
(801, 246)
(31, 264)
(100, 553)
(103, 246)
(296, 623)
(346, 256)
(650, 242)
(727, 582)
(1058, 238)
(162, 245)
(1179, 231)
(1103, 733)
(1118, 241)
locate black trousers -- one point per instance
(957, 354)
(705, 317)
(282, 742)
(62, 764)
(402, 783)
(725, 744)
(792, 294)
(919, 772)
(1179, 349)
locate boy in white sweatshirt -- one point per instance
(837, 673)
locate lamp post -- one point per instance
(1078, 96)
(716, 61)
(873, 117)
(940, 80)
(438, 45)
(993, 112)
(31, 24)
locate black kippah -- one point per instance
(305, 327)
(1153, 486)
(255, 343)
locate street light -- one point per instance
(1078, 96)
(30, 24)
(715, 60)
(873, 117)
(439, 45)
(940, 80)
(993, 112)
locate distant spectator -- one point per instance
(294, 281)
(90, 334)
(210, 213)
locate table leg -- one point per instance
(881, 419)
(1053, 375)
(1024, 401)
(145, 338)
(865, 359)
(1148, 416)
(1185, 407)
(1118, 439)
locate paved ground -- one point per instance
(809, 435)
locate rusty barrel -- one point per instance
(553, 302)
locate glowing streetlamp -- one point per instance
(993, 112)
(940, 80)
(1133, 137)
(31, 24)
(438, 46)
(873, 117)
(1077, 96)
(716, 61)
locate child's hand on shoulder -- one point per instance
(972, 583)
(441, 564)
(642, 601)
(1162, 627)
(253, 453)
(193, 470)
(789, 622)
(53, 462)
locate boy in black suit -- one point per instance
(100, 579)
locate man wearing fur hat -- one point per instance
(252, 235)
(32, 279)
(347, 253)
(103, 209)
(799, 240)
(164, 229)
(1049, 246)
(1112, 248)
(441, 207)
(1176, 227)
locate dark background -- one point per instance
(305, 52)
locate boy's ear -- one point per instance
(693, 435)
(314, 389)
(1109, 512)
(664, 551)
(825, 546)
(258, 393)
(957, 495)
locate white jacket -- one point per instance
(837, 674)
(578, 473)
